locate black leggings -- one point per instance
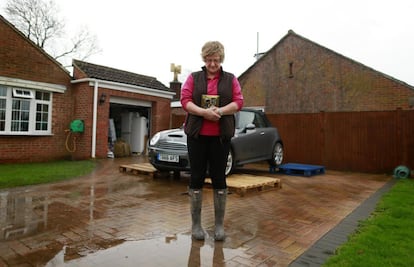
(208, 153)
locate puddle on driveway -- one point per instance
(174, 250)
(104, 219)
(112, 218)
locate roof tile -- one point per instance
(120, 76)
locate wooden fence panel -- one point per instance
(347, 141)
(360, 141)
(406, 145)
(301, 135)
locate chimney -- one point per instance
(176, 86)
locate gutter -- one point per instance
(127, 88)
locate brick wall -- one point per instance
(38, 66)
(177, 117)
(21, 59)
(300, 76)
(83, 110)
(83, 93)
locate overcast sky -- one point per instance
(145, 37)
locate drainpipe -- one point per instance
(95, 111)
(94, 118)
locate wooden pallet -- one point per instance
(301, 169)
(241, 183)
(138, 168)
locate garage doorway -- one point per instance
(129, 126)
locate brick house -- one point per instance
(330, 109)
(39, 99)
(300, 76)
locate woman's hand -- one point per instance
(212, 114)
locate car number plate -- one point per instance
(168, 157)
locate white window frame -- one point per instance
(24, 94)
(3, 98)
(49, 119)
(34, 86)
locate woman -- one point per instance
(210, 97)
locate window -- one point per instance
(23, 93)
(244, 118)
(3, 95)
(258, 121)
(42, 111)
(25, 111)
(20, 115)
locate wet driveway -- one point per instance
(113, 218)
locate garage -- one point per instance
(120, 109)
(129, 122)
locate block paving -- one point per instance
(115, 218)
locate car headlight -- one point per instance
(155, 139)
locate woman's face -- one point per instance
(212, 63)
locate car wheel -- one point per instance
(277, 155)
(230, 163)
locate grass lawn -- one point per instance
(386, 238)
(13, 175)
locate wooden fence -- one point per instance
(374, 142)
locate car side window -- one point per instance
(244, 118)
(258, 121)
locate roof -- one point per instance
(120, 76)
(292, 33)
(8, 23)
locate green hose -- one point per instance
(401, 172)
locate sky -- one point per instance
(145, 37)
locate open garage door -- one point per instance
(130, 120)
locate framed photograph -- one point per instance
(208, 101)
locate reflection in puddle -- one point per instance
(175, 250)
(22, 214)
(26, 212)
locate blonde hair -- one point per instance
(212, 48)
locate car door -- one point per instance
(252, 143)
(263, 138)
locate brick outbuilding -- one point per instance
(330, 109)
(298, 75)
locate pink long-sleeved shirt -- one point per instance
(210, 128)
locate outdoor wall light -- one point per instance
(102, 98)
